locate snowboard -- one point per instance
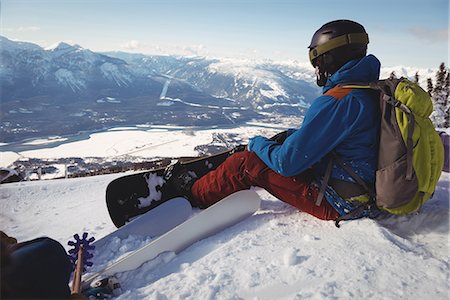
(153, 223)
(132, 195)
(215, 218)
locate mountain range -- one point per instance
(66, 89)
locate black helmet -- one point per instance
(334, 44)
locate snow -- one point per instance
(66, 77)
(143, 141)
(112, 72)
(7, 158)
(62, 47)
(255, 77)
(410, 72)
(278, 253)
(46, 141)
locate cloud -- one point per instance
(131, 45)
(164, 49)
(29, 28)
(195, 50)
(433, 35)
(22, 29)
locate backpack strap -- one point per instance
(364, 209)
(368, 188)
(344, 189)
(325, 180)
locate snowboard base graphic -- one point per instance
(132, 195)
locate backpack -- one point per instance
(410, 156)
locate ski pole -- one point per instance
(79, 256)
(76, 283)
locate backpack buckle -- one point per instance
(391, 100)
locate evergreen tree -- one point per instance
(447, 100)
(447, 86)
(416, 77)
(440, 81)
(430, 86)
(440, 93)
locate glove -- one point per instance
(280, 137)
(7, 240)
(78, 296)
(239, 148)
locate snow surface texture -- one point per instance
(278, 253)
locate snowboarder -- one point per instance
(291, 164)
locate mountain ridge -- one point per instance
(65, 89)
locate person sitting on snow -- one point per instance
(34, 269)
(291, 164)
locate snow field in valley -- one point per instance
(278, 253)
(157, 141)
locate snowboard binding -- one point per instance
(180, 180)
(104, 288)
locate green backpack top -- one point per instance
(411, 154)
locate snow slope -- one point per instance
(278, 253)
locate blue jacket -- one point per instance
(346, 122)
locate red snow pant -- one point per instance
(245, 169)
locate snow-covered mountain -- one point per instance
(66, 89)
(258, 84)
(55, 69)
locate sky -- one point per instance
(401, 32)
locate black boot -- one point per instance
(180, 180)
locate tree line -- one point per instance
(440, 93)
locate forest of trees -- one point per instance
(440, 93)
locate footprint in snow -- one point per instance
(292, 257)
(309, 238)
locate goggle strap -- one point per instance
(342, 40)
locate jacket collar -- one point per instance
(366, 69)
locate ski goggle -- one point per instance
(342, 40)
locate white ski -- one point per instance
(153, 223)
(219, 216)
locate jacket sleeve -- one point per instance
(327, 123)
